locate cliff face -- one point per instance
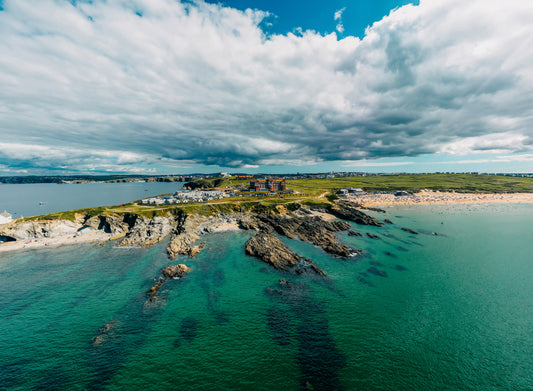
(34, 230)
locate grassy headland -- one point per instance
(311, 191)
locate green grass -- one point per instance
(413, 183)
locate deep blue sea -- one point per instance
(448, 312)
(25, 200)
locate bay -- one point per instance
(24, 200)
(446, 311)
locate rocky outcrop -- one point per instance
(35, 230)
(346, 211)
(147, 232)
(268, 248)
(311, 229)
(116, 225)
(168, 272)
(175, 271)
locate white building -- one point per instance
(5, 217)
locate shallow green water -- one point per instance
(454, 312)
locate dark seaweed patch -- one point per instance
(189, 329)
(279, 325)
(400, 268)
(377, 272)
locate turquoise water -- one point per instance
(24, 200)
(454, 312)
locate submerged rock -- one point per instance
(400, 268)
(409, 230)
(388, 221)
(372, 236)
(377, 272)
(353, 233)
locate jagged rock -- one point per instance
(173, 271)
(170, 271)
(153, 290)
(353, 233)
(189, 231)
(317, 270)
(311, 229)
(147, 232)
(181, 244)
(347, 212)
(116, 225)
(268, 248)
(410, 231)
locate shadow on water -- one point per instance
(208, 278)
(118, 338)
(279, 325)
(318, 357)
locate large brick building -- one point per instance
(269, 184)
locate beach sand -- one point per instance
(438, 197)
(80, 237)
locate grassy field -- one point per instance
(413, 183)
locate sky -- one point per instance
(263, 86)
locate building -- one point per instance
(356, 191)
(5, 217)
(269, 184)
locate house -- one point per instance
(356, 191)
(269, 184)
(5, 217)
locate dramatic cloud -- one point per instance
(120, 85)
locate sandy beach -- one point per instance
(82, 237)
(437, 197)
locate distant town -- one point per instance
(70, 179)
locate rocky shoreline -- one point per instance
(316, 225)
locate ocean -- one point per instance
(43, 198)
(448, 309)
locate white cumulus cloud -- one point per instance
(160, 81)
